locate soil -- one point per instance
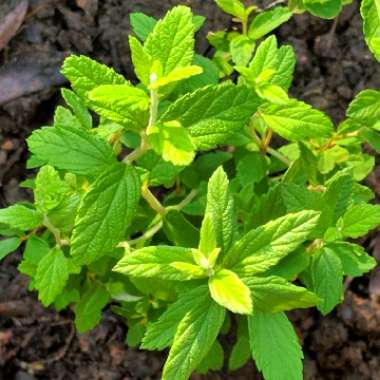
(39, 344)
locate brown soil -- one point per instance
(36, 343)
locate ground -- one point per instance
(333, 65)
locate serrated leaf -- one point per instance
(213, 113)
(135, 334)
(89, 308)
(232, 7)
(160, 334)
(265, 246)
(207, 242)
(8, 246)
(172, 40)
(122, 104)
(35, 249)
(286, 62)
(160, 262)
(142, 61)
(105, 213)
(360, 219)
(51, 276)
(63, 117)
(78, 107)
(267, 21)
(86, 74)
(275, 346)
(370, 11)
(142, 24)
(194, 338)
(20, 217)
(296, 121)
(173, 142)
(251, 168)
(241, 49)
(366, 105)
(327, 9)
(229, 291)
(71, 149)
(273, 294)
(178, 74)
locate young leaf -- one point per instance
(265, 246)
(213, 113)
(370, 12)
(142, 61)
(207, 242)
(165, 262)
(267, 21)
(360, 219)
(109, 205)
(178, 74)
(229, 291)
(78, 107)
(172, 40)
(366, 105)
(194, 338)
(275, 346)
(142, 25)
(35, 249)
(52, 275)
(86, 74)
(241, 49)
(8, 246)
(232, 7)
(71, 149)
(20, 217)
(286, 62)
(89, 308)
(296, 121)
(173, 142)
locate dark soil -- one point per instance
(36, 343)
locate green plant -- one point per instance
(181, 207)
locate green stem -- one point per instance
(152, 201)
(278, 155)
(188, 199)
(146, 236)
(55, 231)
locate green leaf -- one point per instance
(240, 353)
(173, 142)
(8, 246)
(229, 291)
(286, 62)
(20, 217)
(370, 11)
(78, 107)
(142, 24)
(213, 361)
(142, 61)
(296, 121)
(51, 276)
(160, 334)
(220, 206)
(194, 338)
(178, 74)
(135, 334)
(275, 346)
(207, 243)
(86, 74)
(232, 7)
(172, 40)
(241, 49)
(160, 262)
(366, 105)
(252, 168)
(109, 206)
(273, 294)
(267, 21)
(265, 246)
(71, 149)
(89, 308)
(35, 249)
(360, 219)
(327, 9)
(372, 137)
(355, 260)
(213, 113)
(326, 274)
(63, 117)
(122, 104)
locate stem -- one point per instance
(137, 153)
(278, 155)
(152, 201)
(244, 23)
(146, 236)
(184, 202)
(55, 231)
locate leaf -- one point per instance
(178, 74)
(194, 338)
(355, 260)
(160, 262)
(135, 334)
(240, 353)
(122, 104)
(267, 21)
(173, 142)
(366, 106)
(232, 7)
(275, 346)
(327, 9)
(142, 24)
(35, 249)
(51, 276)
(326, 273)
(360, 219)
(71, 149)
(160, 333)
(296, 121)
(63, 117)
(207, 243)
(89, 308)
(213, 113)
(273, 294)
(105, 213)
(172, 40)
(8, 246)
(86, 74)
(229, 291)
(78, 107)
(252, 168)
(241, 49)
(220, 206)
(213, 361)
(286, 62)
(370, 11)
(266, 245)
(142, 61)
(20, 217)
